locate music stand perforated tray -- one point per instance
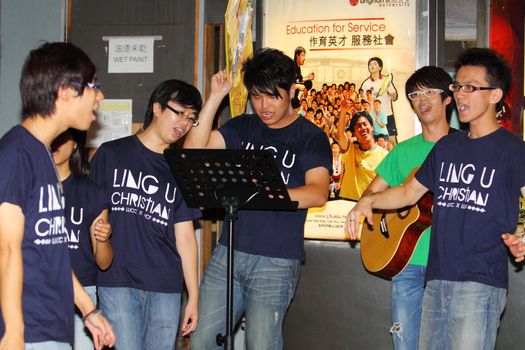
(213, 178)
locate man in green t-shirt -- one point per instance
(427, 90)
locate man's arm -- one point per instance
(202, 136)
(342, 139)
(314, 193)
(393, 198)
(378, 184)
(187, 248)
(97, 324)
(11, 275)
(516, 243)
(100, 232)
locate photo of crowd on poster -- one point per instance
(359, 122)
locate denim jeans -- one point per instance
(83, 340)
(141, 320)
(48, 345)
(407, 298)
(263, 288)
(460, 315)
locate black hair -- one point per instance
(79, 159)
(298, 51)
(47, 69)
(362, 114)
(385, 137)
(268, 70)
(176, 91)
(498, 72)
(431, 77)
(379, 62)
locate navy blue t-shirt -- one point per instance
(145, 205)
(298, 147)
(28, 179)
(476, 185)
(85, 200)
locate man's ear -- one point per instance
(496, 95)
(66, 92)
(447, 100)
(292, 91)
(157, 108)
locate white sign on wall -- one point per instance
(113, 122)
(130, 54)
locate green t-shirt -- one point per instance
(396, 167)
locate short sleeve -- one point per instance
(183, 212)
(98, 166)
(15, 178)
(426, 173)
(318, 153)
(230, 131)
(389, 170)
(100, 200)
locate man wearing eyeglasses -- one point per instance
(154, 244)
(37, 285)
(476, 177)
(428, 93)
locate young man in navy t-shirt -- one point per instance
(477, 177)
(268, 244)
(37, 287)
(155, 249)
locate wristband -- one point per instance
(91, 314)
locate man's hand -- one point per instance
(353, 219)
(102, 230)
(101, 330)
(14, 342)
(221, 83)
(191, 317)
(516, 245)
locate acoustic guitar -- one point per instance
(388, 245)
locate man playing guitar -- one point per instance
(427, 91)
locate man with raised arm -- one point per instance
(268, 245)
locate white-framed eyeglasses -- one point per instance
(468, 88)
(428, 93)
(191, 118)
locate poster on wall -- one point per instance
(340, 39)
(356, 54)
(113, 122)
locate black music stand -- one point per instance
(230, 179)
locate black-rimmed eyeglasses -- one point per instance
(191, 118)
(468, 88)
